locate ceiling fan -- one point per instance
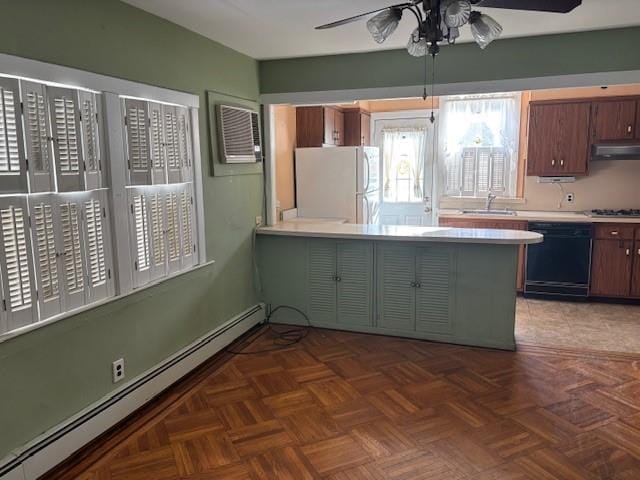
(440, 20)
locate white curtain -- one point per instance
(416, 137)
(477, 122)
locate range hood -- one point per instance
(616, 151)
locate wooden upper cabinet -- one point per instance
(319, 126)
(613, 120)
(357, 125)
(329, 126)
(338, 122)
(638, 120)
(558, 139)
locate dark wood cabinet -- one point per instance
(357, 126)
(558, 139)
(635, 275)
(613, 120)
(319, 126)
(611, 266)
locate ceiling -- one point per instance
(265, 29)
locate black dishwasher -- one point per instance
(559, 267)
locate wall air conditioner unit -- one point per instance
(238, 134)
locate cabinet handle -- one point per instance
(562, 163)
(614, 232)
(412, 284)
(639, 252)
(418, 285)
(553, 162)
(628, 252)
(629, 128)
(338, 279)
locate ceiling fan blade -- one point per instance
(556, 6)
(355, 18)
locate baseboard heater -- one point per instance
(256, 314)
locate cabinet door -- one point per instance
(396, 292)
(635, 281)
(544, 122)
(434, 290)
(365, 129)
(613, 120)
(338, 119)
(573, 139)
(321, 281)
(310, 124)
(355, 283)
(329, 126)
(611, 268)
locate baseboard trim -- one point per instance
(57, 444)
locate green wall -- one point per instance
(573, 53)
(53, 372)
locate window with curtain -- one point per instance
(403, 151)
(478, 144)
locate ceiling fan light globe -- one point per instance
(382, 25)
(484, 29)
(456, 14)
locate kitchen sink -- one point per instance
(484, 211)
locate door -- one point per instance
(613, 120)
(396, 272)
(407, 170)
(321, 281)
(434, 290)
(329, 126)
(574, 141)
(354, 283)
(611, 268)
(635, 282)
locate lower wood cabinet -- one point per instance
(340, 282)
(415, 290)
(615, 261)
(635, 275)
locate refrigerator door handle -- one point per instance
(367, 171)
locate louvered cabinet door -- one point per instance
(68, 214)
(46, 245)
(13, 165)
(97, 242)
(185, 148)
(355, 283)
(18, 285)
(321, 281)
(187, 227)
(174, 241)
(67, 148)
(172, 143)
(91, 141)
(157, 143)
(137, 141)
(395, 286)
(157, 235)
(139, 236)
(434, 289)
(37, 135)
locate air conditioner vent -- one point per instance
(239, 134)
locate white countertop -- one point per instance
(402, 233)
(538, 216)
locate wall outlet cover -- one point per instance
(117, 370)
(569, 197)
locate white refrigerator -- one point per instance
(338, 182)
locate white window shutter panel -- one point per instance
(157, 224)
(172, 213)
(13, 165)
(499, 160)
(137, 140)
(46, 246)
(468, 171)
(157, 142)
(91, 146)
(19, 294)
(483, 178)
(187, 227)
(65, 124)
(97, 246)
(172, 143)
(38, 138)
(139, 236)
(184, 143)
(69, 216)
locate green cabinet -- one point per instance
(415, 288)
(340, 282)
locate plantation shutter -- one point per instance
(157, 224)
(90, 139)
(483, 171)
(67, 148)
(13, 165)
(97, 242)
(45, 246)
(187, 230)
(138, 154)
(18, 292)
(184, 143)
(139, 236)
(172, 213)
(468, 167)
(172, 143)
(499, 168)
(69, 216)
(158, 163)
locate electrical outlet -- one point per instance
(259, 220)
(569, 197)
(117, 369)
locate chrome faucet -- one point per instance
(490, 198)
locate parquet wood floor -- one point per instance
(344, 406)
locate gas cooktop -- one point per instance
(627, 212)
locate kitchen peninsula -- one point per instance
(445, 284)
